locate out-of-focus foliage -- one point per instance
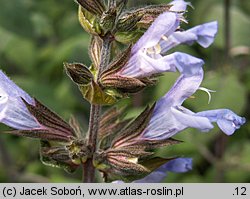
(36, 37)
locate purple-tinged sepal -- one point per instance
(132, 24)
(52, 127)
(111, 79)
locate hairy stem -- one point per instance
(95, 113)
(227, 29)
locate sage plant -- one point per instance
(129, 50)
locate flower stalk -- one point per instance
(95, 113)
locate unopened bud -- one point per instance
(79, 73)
(89, 21)
(57, 156)
(95, 7)
(108, 18)
(150, 13)
(128, 21)
(79, 151)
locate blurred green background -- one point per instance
(36, 37)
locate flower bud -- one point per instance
(130, 25)
(128, 21)
(78, 150)
(89, 21)
(95, 7)
(150, 13)
(79, 73)
(111, 80)
(108, 18)
(57, 156)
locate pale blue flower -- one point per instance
(13, 111)
(170, 117)
(148, 54)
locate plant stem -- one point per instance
(227, 29)
(88, 169)
(95, 113)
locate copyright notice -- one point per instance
(116, 191)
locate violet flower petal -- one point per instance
(154, 177)
(178, 165)
(147, 66)
(169, 117)
(203, 34)
(146, 57)
(226, 119)
(12, 89)
(164, 24)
